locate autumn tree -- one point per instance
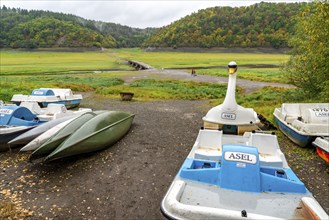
(308, 67)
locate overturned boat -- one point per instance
(35, 132)
(8, 132)
(44, 137)
(98, 133)
(45, 96)
(233, 172)
(303, 122)
(60, 135)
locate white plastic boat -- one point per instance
(303, 122)
(234, 173)
(45, 96)
(53, 111)
(15, 120)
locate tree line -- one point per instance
(21, 28)
(308, 66)
(258, 25)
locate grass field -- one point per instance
(188, 60)
(20, 62)
(203, 61)
(254, 74)
(21, 72)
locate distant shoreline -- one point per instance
(259, 50)
(218, 50)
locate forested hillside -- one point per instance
(124, 35)
(21, 28)
(259, 25)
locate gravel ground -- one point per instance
(129, 179)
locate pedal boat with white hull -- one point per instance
(53, 111)
(15, 120)
(45, 96)
(303, 122)
(234, 173)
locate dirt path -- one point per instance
(129, 179)
(248, 85)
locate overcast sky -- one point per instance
(133, 13)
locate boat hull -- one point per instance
(96, 134)
(192, 200)
(45, 96)
(322, 147)
(35, 132)
(323, 154)
(299, 139)
(9, 133)
(52, 143)
(42, 138)
(69, 104)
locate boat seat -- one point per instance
(213, 154)
(209, 145)
(268, 149)
(53, 109)
(33, 107)
(290, 112)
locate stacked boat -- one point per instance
(88, 132)
(15, 120)
(54, 132)
(235, 172)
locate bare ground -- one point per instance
(129, 179)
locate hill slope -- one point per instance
(259, 25)
(21, 28)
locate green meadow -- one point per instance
(21, 72)
(212, 63)
(21, 62)
(254, 74)
(188, 60)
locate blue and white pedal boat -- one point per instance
(45, 96)
(14, 120)
(303, 122)
(233, 173)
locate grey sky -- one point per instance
(133, 13)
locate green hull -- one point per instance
(98, 133)
(61, 135)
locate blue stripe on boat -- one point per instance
(301, 140)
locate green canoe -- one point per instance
(52, 143)
(96, 134)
